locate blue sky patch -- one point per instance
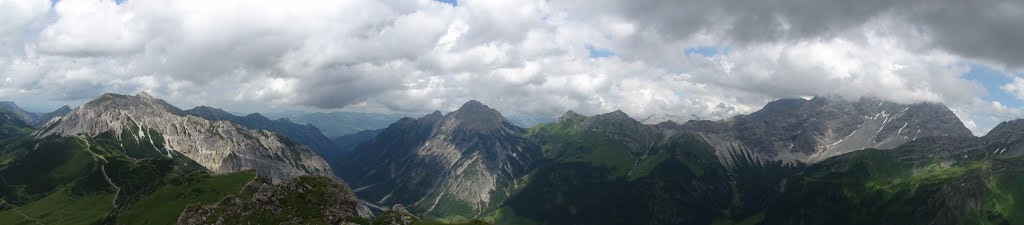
(705, 51)
(450, 2)
(596, 52)
(993, 81)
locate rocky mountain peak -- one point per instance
(63, 109)
(1007, 131)
(139, 102)
(436, 113)
(219, 146)
(145, 95)
(464, 159)
(1006, 127)
(616, 116)
(11, 107)
(257, 116)
(471, 104)
(658, 118)
(476, 117)
(570, 116)
(431, 118)
(813, 130)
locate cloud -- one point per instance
(17, 19)
(986, 29)
(1016, 88)
(530, 57)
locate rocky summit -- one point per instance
(808, 131)
(219, 146)
(664, 117)
(464, 162)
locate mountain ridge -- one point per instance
(305, 134)
(33, 118)
(441, 164)
(714, 153)
(219, 146)
(807, 131)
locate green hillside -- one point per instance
(590, 177)
(119, 179)
(81, 180)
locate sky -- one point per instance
(710, 58)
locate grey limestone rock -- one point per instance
(219, 146)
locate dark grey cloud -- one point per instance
(985, 29)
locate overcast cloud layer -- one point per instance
(711, 58)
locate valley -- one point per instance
(125, 159)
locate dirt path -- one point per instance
(103, 170)
(15, 209)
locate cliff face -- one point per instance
(443, 164)
(808, 131)
(307, 134)
(220, 146)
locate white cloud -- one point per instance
(18, 19)
(1016, 88)
(522, 57)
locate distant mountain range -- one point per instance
(336, 124)
(35, 119)
(796, 161)
(124, 159)
(307, 134)
(664, 117)
(749, 169)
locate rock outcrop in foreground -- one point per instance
(303, 200)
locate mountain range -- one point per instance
(336, 124)
(463, 162)
(123, 159)
(613, 169)
(35, 119)
(216, 145)
(664, 117)
(307, 135)
(795, 161)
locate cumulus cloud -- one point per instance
(529, 57)
(1016, 87)
(17, 19)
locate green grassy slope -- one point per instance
(681, 183)
(882, 187)
(107, 179)
(62, 207)
(11, 125)
(165, 204)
